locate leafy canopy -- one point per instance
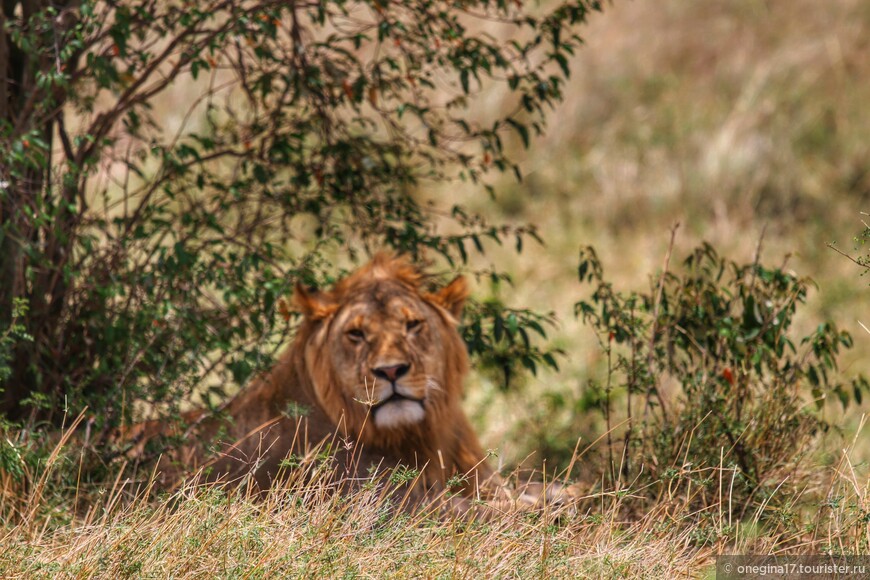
(152, 246)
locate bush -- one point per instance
(709, 375)
(153, 259)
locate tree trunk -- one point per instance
(26, 270)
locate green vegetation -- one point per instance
(153, 253)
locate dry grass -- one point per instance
(304, 530)
(207, 534)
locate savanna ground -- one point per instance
(745, 122)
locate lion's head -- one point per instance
(384, 356)
(379, 359)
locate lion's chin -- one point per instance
(396, 414)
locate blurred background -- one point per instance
(745, 122)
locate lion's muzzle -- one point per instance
(397, 410)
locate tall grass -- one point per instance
(302, 529)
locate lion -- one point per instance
(377, 368)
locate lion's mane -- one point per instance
(376, 369)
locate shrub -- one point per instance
(709, 375)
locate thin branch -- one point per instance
(655, 327)
(4, 62)
(757, 257)
(842, 253)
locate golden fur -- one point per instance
(378, 367)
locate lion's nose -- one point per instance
(392, 373)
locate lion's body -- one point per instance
(377, 368)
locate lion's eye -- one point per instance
(356, 335)
(413, 325)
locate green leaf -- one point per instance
(521, 129)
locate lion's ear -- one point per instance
(313, 304)
(452, 297)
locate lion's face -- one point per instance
(384, 357)
(385, 352)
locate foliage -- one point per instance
(861, 242)
(10, 336)
(862, 258)
(707, 369)
(502, 339)
(153, 256)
